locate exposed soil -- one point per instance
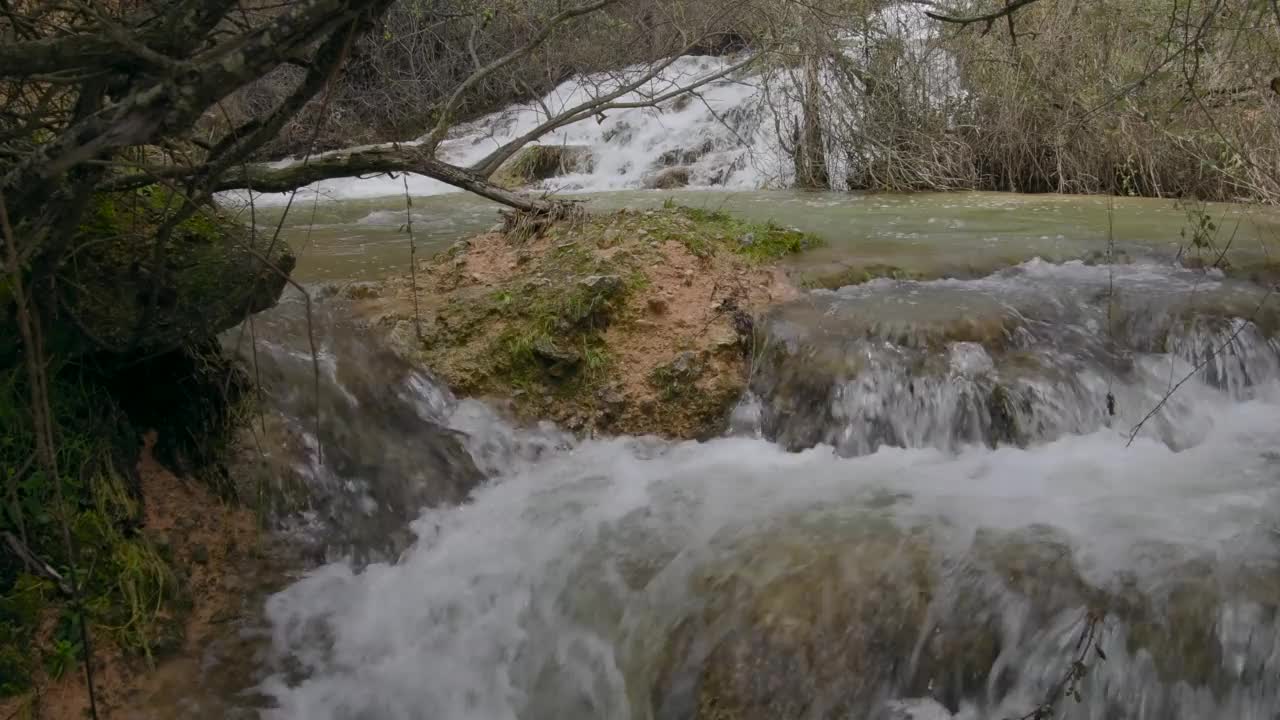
(635, 322)
(217, 548)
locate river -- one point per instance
(924, 503)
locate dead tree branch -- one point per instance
(987, 20)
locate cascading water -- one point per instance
(945, 570)
(1025, 355)
(733, 133)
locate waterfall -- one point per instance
(732, 133)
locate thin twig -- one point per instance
(41, 415)
(34, 561)
(1069, 684)
(1199, 366)
(413, 256)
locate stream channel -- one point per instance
(919, 509)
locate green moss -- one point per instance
(540, 162)
(130, 292)
(705, 232)
(858, 274)
(554, 335)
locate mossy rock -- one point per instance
(831, 620)
(668, 179)
(125, 292)
(803, 628)
(542, 162)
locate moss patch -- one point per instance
(541, 162)
(132, 288)
(705, 232)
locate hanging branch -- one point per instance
(1068, 686)
(988, 20)
(42, 420)
(1213, 352)
(413, 257)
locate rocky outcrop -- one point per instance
(138, 288)
(669, 179)
(863, 617)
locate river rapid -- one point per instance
(922, 505)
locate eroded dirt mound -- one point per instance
(634, 322)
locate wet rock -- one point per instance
(669, 179)
(621, 133)
(858, 617)
(541, 162)
(363, 290)
(560, 361)
(815, 640)
(683, 156)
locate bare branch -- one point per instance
(450, 109)
(988, 19)
(490, 163)
(372, 161)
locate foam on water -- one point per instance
(726, 135)
(484, 616)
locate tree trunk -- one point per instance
(810, 154)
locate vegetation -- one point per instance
(127, 589)
(119, 122)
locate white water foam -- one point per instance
(726, 135)
(515, 605)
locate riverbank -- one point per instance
(216, 550)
